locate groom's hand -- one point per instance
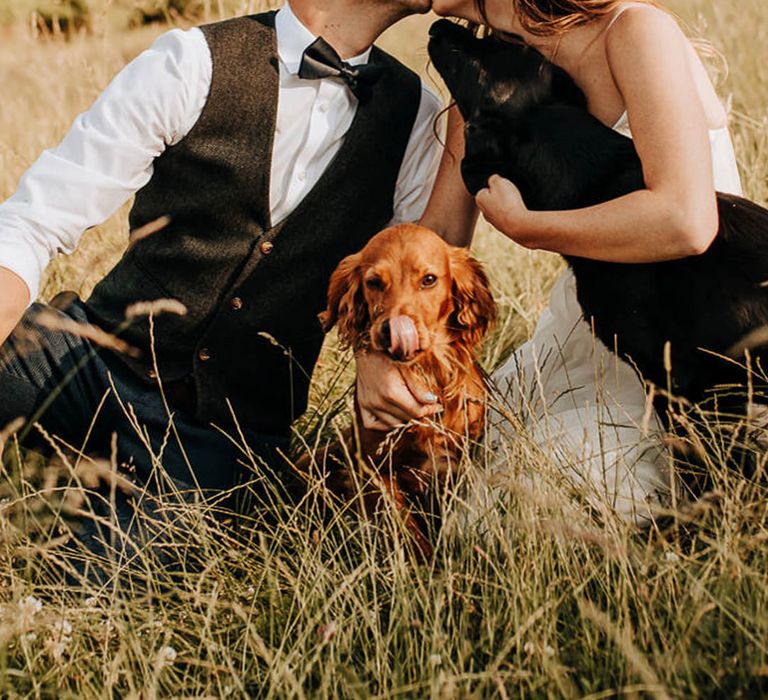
(384, 397)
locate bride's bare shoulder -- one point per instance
(634, 25)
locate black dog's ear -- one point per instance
(484, 152)
(474, 309)
(346, 304)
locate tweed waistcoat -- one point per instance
(250, 337)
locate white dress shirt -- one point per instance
(153, 103)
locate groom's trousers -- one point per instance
(79, 399)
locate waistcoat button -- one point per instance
(204, 354)
(266, 247)
(151, 374)
(236, 303)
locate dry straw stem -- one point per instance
(756, 338)
(9, 431)
(93, 473)
(147, 230)
(244, 611)
(58, 322)
(622, 638)
(156, 307)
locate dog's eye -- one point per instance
(375, 283)
(429, 281)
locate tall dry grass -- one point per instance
(528, 596)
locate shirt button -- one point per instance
(204, 354)
(266, 247)
(236, 303)
(301, 176)
(323, 107)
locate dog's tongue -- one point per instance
(404, 339)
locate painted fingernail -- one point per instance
(429, 397)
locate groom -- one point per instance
(267, 155)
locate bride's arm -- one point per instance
(676, 215)
(451, 210)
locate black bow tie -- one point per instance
(320, 60)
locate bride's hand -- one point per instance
(385, 398)
(502, 206)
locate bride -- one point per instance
(583, 406)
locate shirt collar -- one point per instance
(293, 38)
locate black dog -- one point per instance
(526, 120)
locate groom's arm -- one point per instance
(452, 211)
(14, 299)
(105, 157)
(420, 161)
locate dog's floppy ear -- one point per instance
(474, 309)
(346, 304)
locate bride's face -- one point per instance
(498, 13)
(465, 9)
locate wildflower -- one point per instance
(28, 608)
(166, 656)
(62, 628)
(57, 649)
(327, 632)
(60, 639)
(435, 659)
(30, 605)
(671, 556)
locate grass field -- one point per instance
(530, 599)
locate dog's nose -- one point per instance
(436, 28)
(386, 334)
(441, 27)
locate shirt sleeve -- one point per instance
(420, 163)
(107, 154)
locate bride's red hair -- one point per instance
(552, 17)
(547, 17)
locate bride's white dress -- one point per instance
(583, 406)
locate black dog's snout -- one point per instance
(445, 39)
(443, 28)
(436, 28)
